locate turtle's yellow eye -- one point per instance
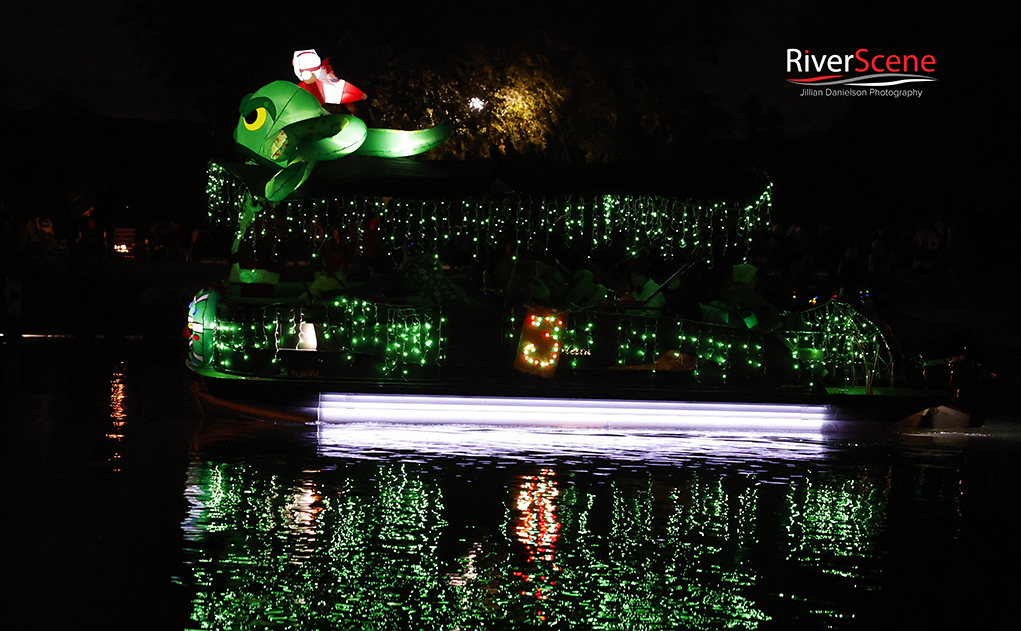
(255, 119)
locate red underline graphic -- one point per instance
(832, 76)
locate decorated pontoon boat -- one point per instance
(381, 273)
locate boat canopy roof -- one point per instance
(432, 179)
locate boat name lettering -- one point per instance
(575, 350)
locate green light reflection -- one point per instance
(408, 544)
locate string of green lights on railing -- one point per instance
(836, 347)
(346, 330)
(640, 225)
(833, 346)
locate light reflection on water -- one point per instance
(363, 440)
(363, 527)
(461, 528)
(118, 413)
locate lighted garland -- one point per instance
(352, 338)
(411, 339)
(596, 340)
(640, 224)
(224, 193)
(836, 345)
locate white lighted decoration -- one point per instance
(317, 76)
(307, 338)
(599, 414)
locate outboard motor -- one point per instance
(965, 375)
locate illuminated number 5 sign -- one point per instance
(541, 342)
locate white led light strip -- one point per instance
(588, 413)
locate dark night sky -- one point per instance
(943, 154)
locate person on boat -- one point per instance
(646, 291)
(882, 261)
(424, 280)
(852, 275)
(316, 76)
(681, 295)
(585, 292)
(745, 304)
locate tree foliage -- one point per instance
(570, 86)
(540, 98)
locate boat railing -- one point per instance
(844, 342)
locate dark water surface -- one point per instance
(125, 508)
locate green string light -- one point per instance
(662, 226)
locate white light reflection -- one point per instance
(377, 426)
(547, 445)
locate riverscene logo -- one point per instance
(854, 73)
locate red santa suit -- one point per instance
(316, 76)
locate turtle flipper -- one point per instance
(330, 137)
(393, 143)
(287, 180)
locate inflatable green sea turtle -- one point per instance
(285, 127)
